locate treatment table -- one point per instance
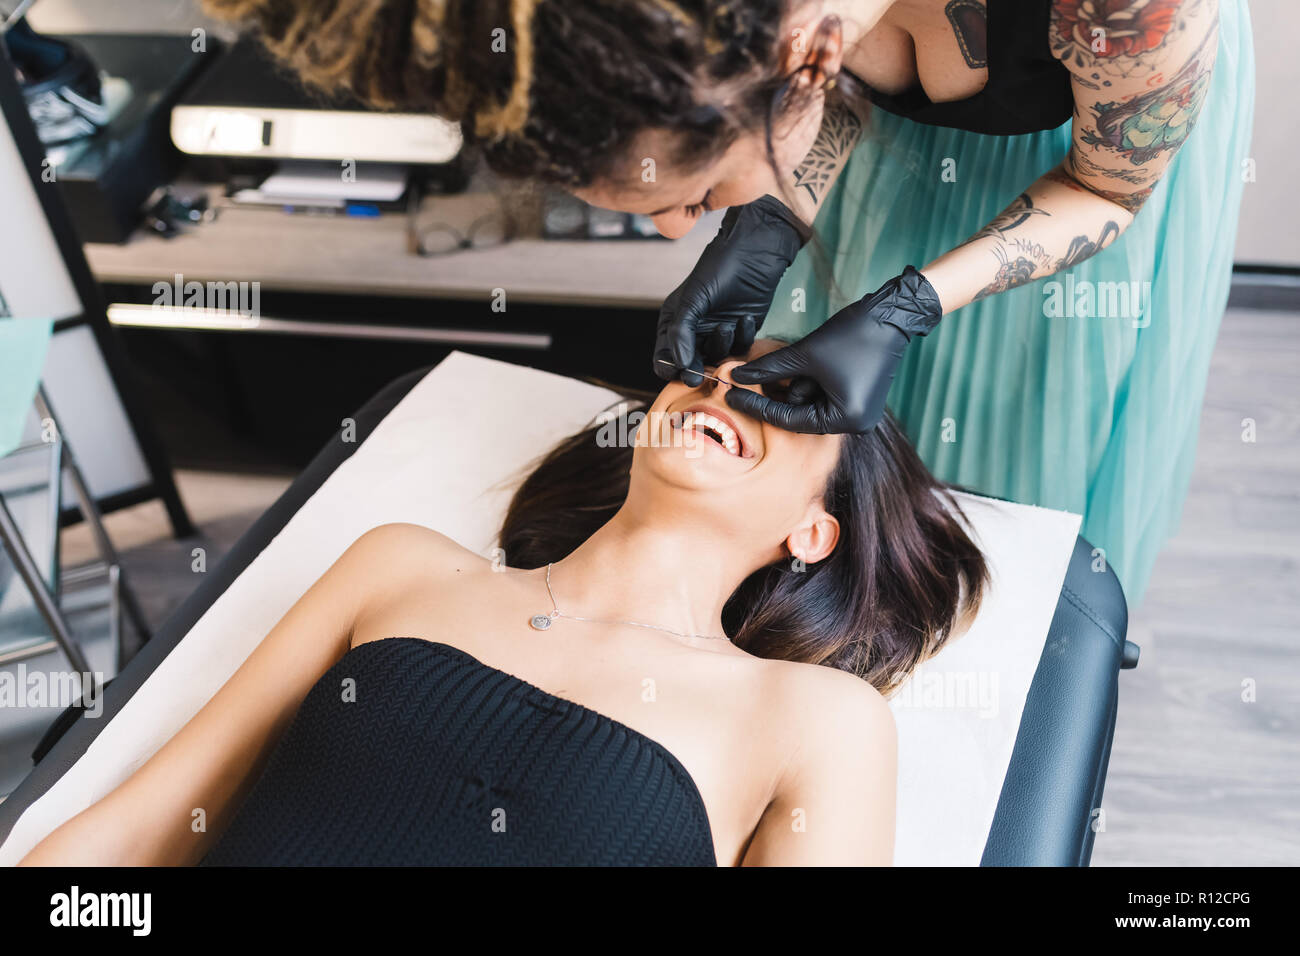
(1015, 780)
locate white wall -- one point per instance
(1270, 214)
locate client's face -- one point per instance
(750, 480)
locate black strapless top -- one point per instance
(1028, 88)
(428, 756)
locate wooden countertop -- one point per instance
(343, 254)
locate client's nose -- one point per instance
(724, 372)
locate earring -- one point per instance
(829, 84)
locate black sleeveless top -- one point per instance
(1028, 88)
(435, 758)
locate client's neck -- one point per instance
(669, 573)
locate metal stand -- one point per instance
(28, 570)
(91, 514)
(31, 575)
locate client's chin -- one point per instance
(689, 460)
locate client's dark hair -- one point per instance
(903, 573)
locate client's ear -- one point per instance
(815, 539)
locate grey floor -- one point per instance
(1206, 761)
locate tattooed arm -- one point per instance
(1140, 70)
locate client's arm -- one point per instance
(834, 805)
(213, 760)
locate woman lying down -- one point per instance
(685, 662)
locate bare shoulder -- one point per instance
(831, 707)
(401, 551)
(834, 800)
(400, 536)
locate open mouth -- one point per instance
(715, 429)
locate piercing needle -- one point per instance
(701, 374)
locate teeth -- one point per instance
(703, 420)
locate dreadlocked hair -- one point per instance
(553, 90)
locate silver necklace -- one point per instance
(541, 622)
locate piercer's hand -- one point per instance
(718, 310)
(842, 370)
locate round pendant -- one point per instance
(540, 622)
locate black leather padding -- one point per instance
(1045, 814)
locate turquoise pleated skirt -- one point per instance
(1038, 395)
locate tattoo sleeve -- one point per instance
(1052, 226)
(1140, 72)
(1022, 253)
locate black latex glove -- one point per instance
(720, 307)
(842, 371)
